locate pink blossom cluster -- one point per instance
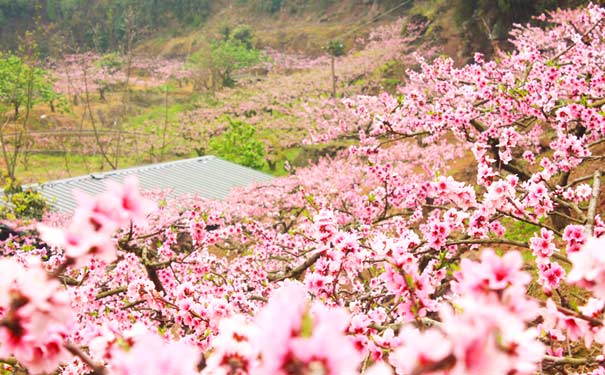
(96, 219)
(461, 233)
(78, 74)
(36, 316)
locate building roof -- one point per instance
(207, 176)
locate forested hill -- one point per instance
(105, 25)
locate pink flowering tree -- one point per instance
(389, 258)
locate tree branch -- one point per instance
(110, 293)
(97, 368)
(592, 206)
(568, 360)
(296, 272)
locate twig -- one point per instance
(574, 44)
(593, 321)
(528, 221)
(568, 360)
(503, 241)
(97, 368)
(110, 293)
(296, 272)
(580, 179)
(258, 298)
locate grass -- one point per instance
(42, 168)
(428, 8)
(518, 230)
(149, 120)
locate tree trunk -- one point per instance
(333, 78)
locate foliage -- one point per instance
(111, 62)
(22, 83)
(19, 203)
(271, 6)
(227, 55)
(231, 55)
(336, 48)
(239, 144)
(102, 24)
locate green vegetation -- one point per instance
(240, 144)
(19, 203)
(233, 52)
(103, 25)
(23, 84)
(336, 48)
(518, 230)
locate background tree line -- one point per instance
(102, 24)
(97, 24)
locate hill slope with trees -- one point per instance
(380, 259)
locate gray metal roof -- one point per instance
(207, 176)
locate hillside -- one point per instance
(147, 93)
(436, 205)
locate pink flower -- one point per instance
(328, 346)
(593, 308)
(542, 245)
(493, 273)
(38, 354)
(277, 321)
(96, 219)
(589, 266)
(419, 350)
(575, 237)
(551, 274)
(37, 316)
(292, 337)
(129, 203)
(324, 225)
(152, 355)
(80, 242)
(233, 349)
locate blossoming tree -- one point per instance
(378, 261)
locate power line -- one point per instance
(374, 19)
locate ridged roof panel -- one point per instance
(207, 176)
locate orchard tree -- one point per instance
(22, 83)
(225, 56)
(109, 66)
(228, 56)
(335, 49)
(240, 144)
